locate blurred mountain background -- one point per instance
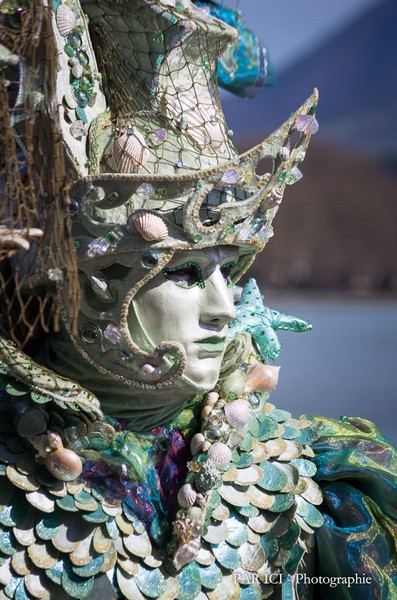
(337, 227)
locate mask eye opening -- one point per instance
(227, 270)
(187, 275)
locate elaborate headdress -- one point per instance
(122, 98)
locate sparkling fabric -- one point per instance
(357, 470)
(245, 68)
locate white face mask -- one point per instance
(190, 302)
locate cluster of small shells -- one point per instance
(222, 417)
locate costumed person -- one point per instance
(140, 456)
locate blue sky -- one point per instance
(291, 28)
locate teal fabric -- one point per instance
(357, 470)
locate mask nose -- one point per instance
(217, 307)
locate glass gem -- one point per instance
(90, 332)
(161, 193)
(77, 244)
(214, 434)
(229, 229)
(179, 164)
(78, 129)
(111, 237)
(99, 247)
(197, 237)
(55, 274)
(231, 176)
(81, 97)
(149, 259)
(254, 401)
(83, 57)
(113, 197)
(282, 176)
(69, 50)
(146, 191)
(307, 124)
(157, 137)
(112, 333)
(257, 225)
(294, 176)
(74, 39)
(80, 114)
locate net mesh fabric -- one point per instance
(159, 75)
(33, 174)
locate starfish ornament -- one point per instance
(262, 322)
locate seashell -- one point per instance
(77, 70)
(151, 227)
(259, 498)
(252, 556)
(206, 412)
(261, 524)
(249, 476)
(150, 373)
(138, 544)
(205, 557)
(211, 398)
(216, 534)
(220, 454)
(261, 378)
(66, 20)
(42, 555)
(36, 100)
(233, 496)
(127, 585)
(233, 384)
(276, 447)
(186, 553)
(312, 493)
(191, 107)
(64, 464)
(196, 443)
(292, 450)
(70, 100)
(186, 496)
(221, 513)
(24, 482)
(128, 152)
(41, 501)
(238, 413)
(5, 572)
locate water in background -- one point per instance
(347, 365)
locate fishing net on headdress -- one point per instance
(33, 175)
(159, 65)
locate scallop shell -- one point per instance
(220, 454)
(151, 227)
(186, 553)
(64, 464)
(186, 496)
(196, 443)
(193, 105)
(238, 413)
(128, 152)
(66, 20)
(261, 378)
